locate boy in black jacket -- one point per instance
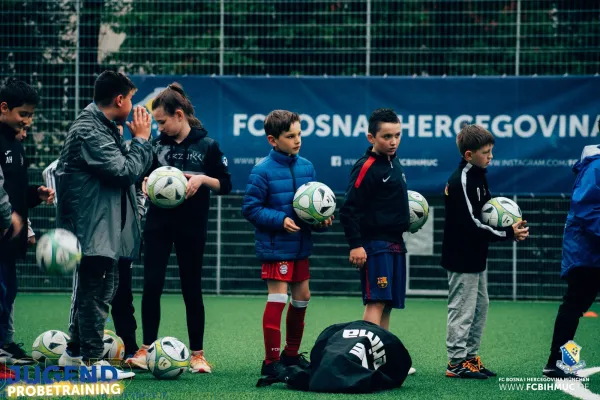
(464, 252)
(18, 101)
(375, 215)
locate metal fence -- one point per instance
(61, 45)
(529, 270)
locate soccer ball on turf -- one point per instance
(418, 209)
(58, 252)
(168, 358)
(49, 346)
(114, 348)
(500, 212)
(314, 202)
(166, 187)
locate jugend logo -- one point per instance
(73, 381)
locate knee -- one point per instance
(302, 296)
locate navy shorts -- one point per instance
(383, 277)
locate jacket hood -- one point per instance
(589, 154)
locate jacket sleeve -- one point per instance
(5, 207)
(469, 223)
(33, 198)
(218, 168)
(105, 160)
(355, 202)
(253, 205)
(585, 203)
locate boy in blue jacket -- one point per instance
(580, 258)
(283, 241)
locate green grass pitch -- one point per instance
(515, 344)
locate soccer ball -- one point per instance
(49, 346)
(500, 212)
(418, 209)
(314, 202)
(168, 358)
(58, 252)
(114, 348)
(166, 187)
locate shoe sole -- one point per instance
(134, 364)
(199, 371)
(453, 375)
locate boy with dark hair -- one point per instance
(283, 241)
(580, 258)
(464, 252)
(375, 216)
(18, 101)
(95, 177)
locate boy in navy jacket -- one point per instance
(283, 241)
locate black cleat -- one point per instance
(18, 356)
(476, 361)
(270, 373)
(464, 370)
(299, 360)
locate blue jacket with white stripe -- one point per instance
(581, 239)
(268, 201)
(466, 238)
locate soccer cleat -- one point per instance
(18, 356)
(557, 373)
(464, 370)
(270, 373)
(299, 360)
(109, 373)
(6, 373)
(67, 360)
(477, 362)
(139, 359)
(199, 363)
(411, 371)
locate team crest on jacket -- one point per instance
(446, 189)
(382, 282)
(283, 268)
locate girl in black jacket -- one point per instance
(183, 143)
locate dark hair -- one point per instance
(380, 116)
(174, 98)
(15, 93)
(473, 138)
(109, 85)
(279, 121)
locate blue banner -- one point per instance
(541, 124)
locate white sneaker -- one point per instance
(109, 374)
(66, 360)
(411, 371)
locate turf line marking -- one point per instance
(580, 391)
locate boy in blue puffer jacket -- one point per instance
(283, 241)
(580, 259)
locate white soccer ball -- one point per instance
(314, 202)
(168, 358)
(114, 348)
(58, 252)
(501, 212)
(166, 187)
(49, 346)
(418, 209)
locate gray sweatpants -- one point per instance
(94, 286)
(467, 312)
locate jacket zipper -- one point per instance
(295, 188)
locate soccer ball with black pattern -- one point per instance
(49, 346)
(166, 187)
(314, 202)
(418, 209)
(501, 212)
(168, 358)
